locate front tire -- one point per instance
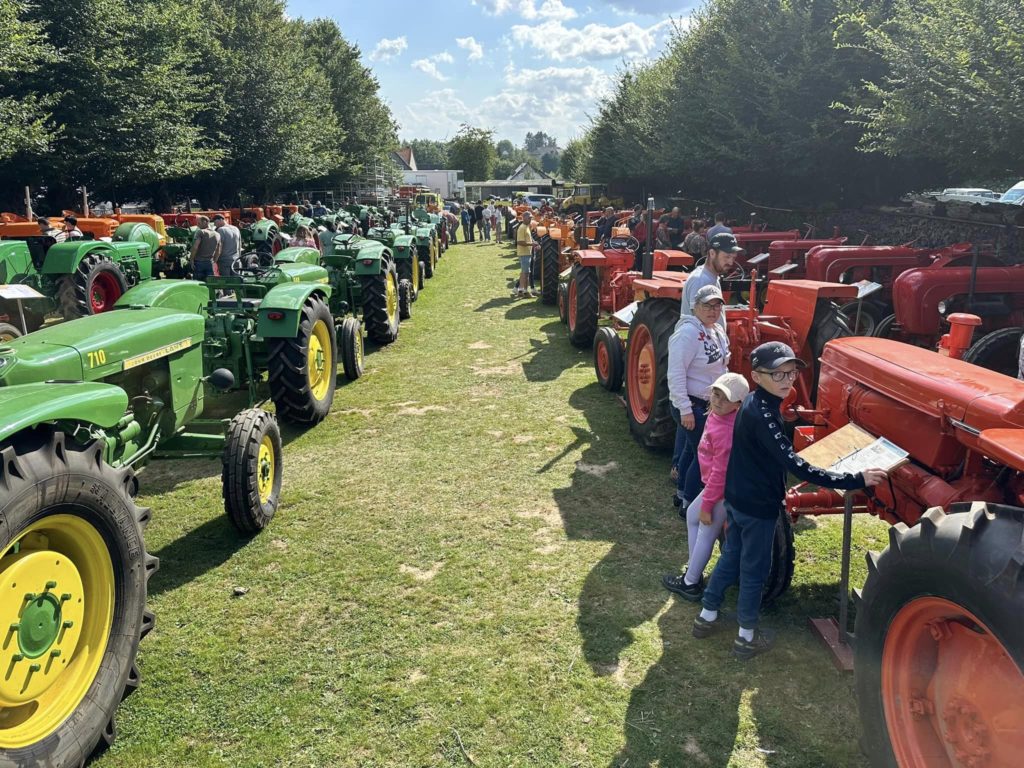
(609, 360)
(940, 644)
(251, 471)
(69, 518)
(405, 299)
(563, 303)
(350, 344)
(302, 369)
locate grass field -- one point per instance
(465, 570)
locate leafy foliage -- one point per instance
(430, 154)
(575, 159)
(22, 51)
(473, 151)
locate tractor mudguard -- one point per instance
(64, 258)
(15, 261)
(183, 295)
(281, 309)
(298, 255)
(27, 405)
(372, 261)
(264, 230)
(591, 258)
(797, 301)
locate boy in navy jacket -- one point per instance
(755, 487)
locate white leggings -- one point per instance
(701, 538)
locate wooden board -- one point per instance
(835, 446)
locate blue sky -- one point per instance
(509, 65)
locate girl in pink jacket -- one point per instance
(706, 514)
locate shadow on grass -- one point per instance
(547, 356)
(496, 303)
(198, 551)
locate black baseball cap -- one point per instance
(725, 241)
(772, 354)
(219, 216)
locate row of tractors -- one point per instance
(939, 647)
(156, 368)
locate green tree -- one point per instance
(549, 162)
(430, 154)
(539, 140)
(472, 151)
(505, 148)
(575, 160)
(951, 84)
(23, 50)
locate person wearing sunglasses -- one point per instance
(755, 487)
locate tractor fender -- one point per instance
(372, 261)
(64, 258)
(183, 295)
(281, 309)
(264, 230)
(24, 406)
(591, 258)
(298, 255)
(797, 301)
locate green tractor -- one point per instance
(83, 406)
(401, 243)
(428, 241)
(77, 277)
(364, 276)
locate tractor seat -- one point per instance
(232, 303)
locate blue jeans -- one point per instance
(746, 559)
(681, 449)
(203, 269)
(487, 229)
(690, 484)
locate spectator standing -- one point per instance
(722, 250)
(696, 242)
(467, 224)
(487, 215)
(675, 226)
(524, 251)
(661, 236)
(755, 488)
(205, 250)
(478, 218)
(230, 245)
(698, 353)
(719, 227)
(326, 238)
(497, 223)
(705, 517)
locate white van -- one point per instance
(968, 195)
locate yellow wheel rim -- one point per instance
(359, 348)
(392, 291)
(415, 273)
(320, 365)
(265, 469)
(57, 603)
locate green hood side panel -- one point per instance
(301, 273)
(298, 255)
(182, 295)
(15, 261)
(25, 406)
(94, 347)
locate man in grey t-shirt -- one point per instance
(722, 250)
(205, 250)
(230, 244)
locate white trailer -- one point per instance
(449, 184)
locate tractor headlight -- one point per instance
(943, 307)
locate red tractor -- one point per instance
(924, 297)
(939, 637)
(801, 313)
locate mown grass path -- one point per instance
(465, 570)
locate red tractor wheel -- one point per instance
(608, 359)
(647, 399)
(94, 287)
(583, 305)
(563, 303)
(940, 644)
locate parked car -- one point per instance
(968, 195)
(534, 200)
(1014, 195)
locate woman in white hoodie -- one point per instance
(698, 353)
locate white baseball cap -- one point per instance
(733, 386)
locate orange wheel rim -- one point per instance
(572, 305)
(952, 694)
(603, 363)
(642, 375)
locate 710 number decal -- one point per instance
(99, 357)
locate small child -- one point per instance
(705, 516)
(755, 488)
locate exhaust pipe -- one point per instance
(648, 269)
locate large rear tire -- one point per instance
(828, 324)
(998, 351)
(647, 396)
(301, 370)
(75, 570)
(549, 271)
(583, 305)
(380, 305)
(251, 471)
(350, 344)
(940, 643)
(94, 287)
(609, 360)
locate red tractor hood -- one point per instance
(930, 383)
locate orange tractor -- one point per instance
(939, 638)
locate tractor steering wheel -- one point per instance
(629, 243)
(738, 273)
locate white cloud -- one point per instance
(429, 65)
(528, 9)
(388, 48)
(476, 51)
(593, 41)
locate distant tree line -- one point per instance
(159, 99)
(474, 151)
(818, 102)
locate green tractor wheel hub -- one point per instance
(39, 626)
